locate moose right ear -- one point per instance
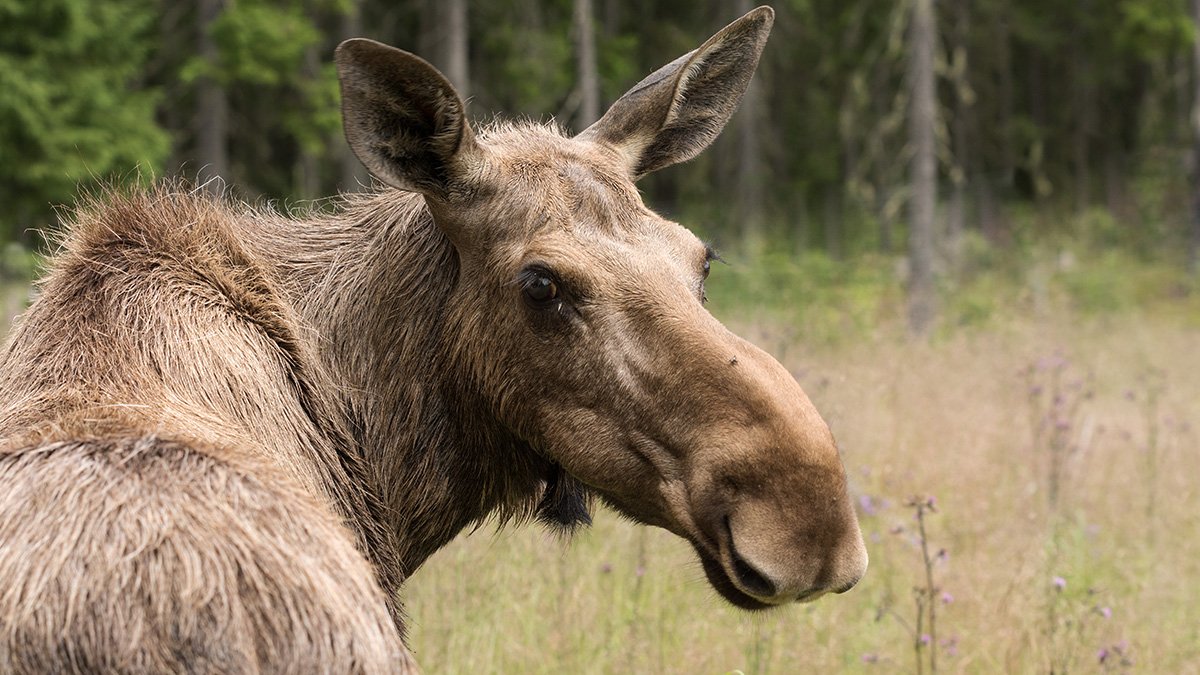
(403, 118)
(679, 109)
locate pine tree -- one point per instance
(74, 109)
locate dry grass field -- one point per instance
(1107, 579)
(1102, 577)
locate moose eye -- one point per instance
(541, 290)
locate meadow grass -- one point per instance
(1084, 584)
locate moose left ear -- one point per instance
(404, 119)
(679, 109)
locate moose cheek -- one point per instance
(593, 448)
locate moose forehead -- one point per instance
(560, 196)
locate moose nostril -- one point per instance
(748, 578)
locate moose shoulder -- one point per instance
(228, 436)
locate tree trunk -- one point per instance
(612, 17)
(454, 44)
(1083, 127)
(444, 38)
(886, 226)
(353, 175)
(585, 54)
(1194, 240)
(831, 223)
(922, 119)
(174, 28)
(211, 122)
(308, 162)
(956, 214)
(1007, 95)
(748, 183)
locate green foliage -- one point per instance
(1154, 28)
(530, 52)
(619, 66)
(1058, 107)
(819, 297)
(17, 263)
(1084, 265)
(73, 110)
(319, 115)
(1114, 281)
(261, 42)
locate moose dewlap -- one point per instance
(227, 436)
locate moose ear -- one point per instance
(403, 118)
(679, 109)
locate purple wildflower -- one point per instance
(1060, 583)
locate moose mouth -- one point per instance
(751, 584)
(720, 582)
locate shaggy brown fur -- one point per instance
(227, 436)
(160, 397)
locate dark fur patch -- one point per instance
(566, 504)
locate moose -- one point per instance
(229, 435)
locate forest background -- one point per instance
(971, 228)
(931, 147)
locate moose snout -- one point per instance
(773, 520)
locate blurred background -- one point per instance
(988, 133)
(1012, 182)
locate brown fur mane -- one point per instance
(120, 252)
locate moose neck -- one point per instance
(374, 282)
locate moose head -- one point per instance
(577, 315)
